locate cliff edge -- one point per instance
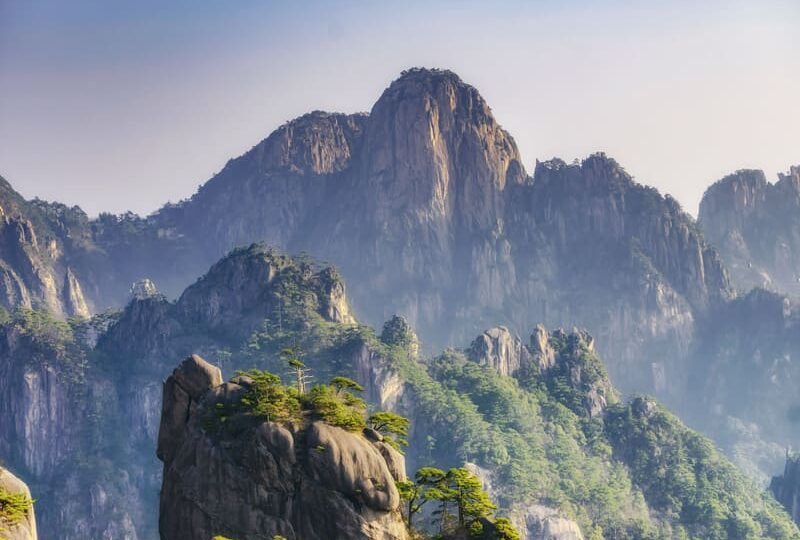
(248, 478)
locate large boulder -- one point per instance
(251, 479)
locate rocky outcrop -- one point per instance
(786, 487)
(559, 360)
(543, 523)
(755, 226)
(533, 521)
(250, 284)
(255, 479)
(22, 527)
(501, 350)
(90, 392)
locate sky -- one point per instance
(118, 106)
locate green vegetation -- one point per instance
(416, 493)
(633, 473)
(267, 397)
(50, 341)
(334, 403)
(540, 443)
(504, 530)
(461, 504)
(393, 427)
(14, 508)
(337, 407)
(683, 476)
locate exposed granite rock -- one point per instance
(756, 227)
(247, 286)
(25, 529)
(501, 350)
(543, 523)
(424, 203)
(256, 479)
(561, 359)
(144, 289)
(317, 143)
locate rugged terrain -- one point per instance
(424, 206)
(538, 421)
(755, 225)
(254, 479)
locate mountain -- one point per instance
(755, 225)
(425, 205)
(539, 422)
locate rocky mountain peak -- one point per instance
(501, 350)
(314, 144)
(432, 145)
(727, 201)
(786, 487)
(755, 224)
(597, 172)
(790, 182)
(257, 282)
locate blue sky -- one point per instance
(126, 105)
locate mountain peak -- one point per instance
(428, 75)
(441, 86)
(316, 143)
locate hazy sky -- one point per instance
(127, 105)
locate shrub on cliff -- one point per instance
(13, 508)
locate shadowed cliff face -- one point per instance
(756, 227)
(786, 487)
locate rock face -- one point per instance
(25, 528)
(423, 203)
(756, 227)
(258, 479)
(34, 269)
(786, 487)
(560, 359)
(744, 378)
(501, 350)
(543, 523)
(82, 415)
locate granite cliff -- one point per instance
(255, 479)
(755, 226)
